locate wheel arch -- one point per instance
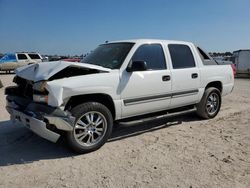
(216, 84)
(102, 98)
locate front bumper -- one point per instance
(43, 120)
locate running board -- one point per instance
(158, 115)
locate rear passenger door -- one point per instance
(185, 75)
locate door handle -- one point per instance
(194, 75)
(166, 78)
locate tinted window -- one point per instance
(34, 56)
(21, 56)
(181, 56)
(109, 55)
(152, 54)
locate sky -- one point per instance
(67, 27)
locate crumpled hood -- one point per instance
(45, 70)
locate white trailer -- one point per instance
(241, 59)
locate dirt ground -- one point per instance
(183, 151)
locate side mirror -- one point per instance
(137, 66)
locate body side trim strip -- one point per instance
(147, 99)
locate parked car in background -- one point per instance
(12, 61)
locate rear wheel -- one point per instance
(210, 103)
(92, 128)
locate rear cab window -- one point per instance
(181, 56)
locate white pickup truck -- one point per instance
(10, 62)
(118, 80)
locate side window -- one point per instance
(181, 56)
(21, 56)
(152, 54)
(34, 56)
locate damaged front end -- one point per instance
(28, 101)
(46, 121)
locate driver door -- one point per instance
(149, 90)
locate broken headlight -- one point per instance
(40, 93)
(39, 86)
(40, 98)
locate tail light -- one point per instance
(234, 69)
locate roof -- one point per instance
(241, 50)
(149, 41)
(28, 52)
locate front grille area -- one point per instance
(23, 88)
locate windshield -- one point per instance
(109, 55)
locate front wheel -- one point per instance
(92, 128)
(210, 103)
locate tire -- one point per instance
(210, 103)
(92, 127)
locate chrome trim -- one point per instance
(90, 128)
